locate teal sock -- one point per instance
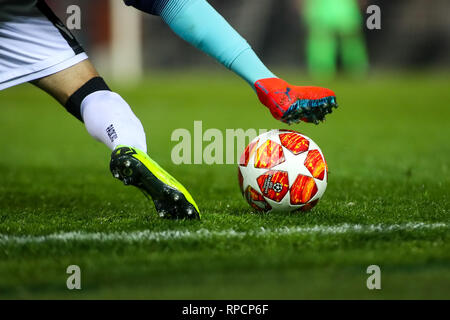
(197, 22)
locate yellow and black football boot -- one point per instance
(134, 167)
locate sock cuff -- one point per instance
(169, 9)
(73, 104)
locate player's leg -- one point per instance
(201, 25)
(107, 117)
(354, 53)
(62, 84)
(321, 52)
(36, 47)
(110, 120)
(353, 47)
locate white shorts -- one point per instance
(34, 43)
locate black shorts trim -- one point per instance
(65, 33)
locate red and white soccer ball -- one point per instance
(282, 170)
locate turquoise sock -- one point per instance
(197, 22)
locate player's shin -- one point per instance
(107, 117)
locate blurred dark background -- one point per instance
(415, 34)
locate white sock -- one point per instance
(109, 119)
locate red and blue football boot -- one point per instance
(292, 104)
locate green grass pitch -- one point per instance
(387, 148)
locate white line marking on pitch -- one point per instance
(148, 235)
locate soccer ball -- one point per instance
(282, 170)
